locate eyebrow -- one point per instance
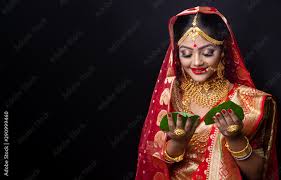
(202, 47)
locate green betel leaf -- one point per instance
(164, 122)
(226, 105)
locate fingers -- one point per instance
(171, 123)
(179, 121)
(221, 119)
(233, 116)
(227, 117)
(218, 124)
(195, 124)
(187, 126)
(190, 128)
(179, 124)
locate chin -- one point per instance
(199, 78)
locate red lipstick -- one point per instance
(199, 70)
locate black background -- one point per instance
(77, 77)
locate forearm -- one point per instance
(252, 167)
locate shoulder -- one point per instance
(244, 90)
(251, 99)
(256, 104)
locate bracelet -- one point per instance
(172, 159)
(243, 154)
(246, 157)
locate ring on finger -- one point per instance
(233, 129)
(179, 132)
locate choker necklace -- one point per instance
(205, 94)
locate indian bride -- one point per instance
(203, 68)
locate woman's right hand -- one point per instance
(176, 145)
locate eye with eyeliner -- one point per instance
(185, 55)
(208, 52)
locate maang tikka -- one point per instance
(195, 31)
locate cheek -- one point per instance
(185, 62)
(212, 61)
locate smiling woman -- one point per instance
(203, 68)
(198, 58)
(200, 55)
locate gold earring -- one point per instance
(220, 70)
(183, 72)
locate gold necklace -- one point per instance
(205, 94)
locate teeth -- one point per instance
(200, 71)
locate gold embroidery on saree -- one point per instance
(196, 149)
(160, 115)
(250, 100)
(165, 97)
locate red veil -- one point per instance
(150, 160)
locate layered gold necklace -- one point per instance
(205, 94)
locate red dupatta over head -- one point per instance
(150, 166)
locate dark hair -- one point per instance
(211, 24)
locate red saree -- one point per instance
(207, 157)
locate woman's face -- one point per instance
(196, 60)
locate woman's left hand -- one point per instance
(226, 118)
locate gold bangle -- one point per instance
(245, 154)
(172, 159)
(235, 152)
(245, 157)
(242, 153)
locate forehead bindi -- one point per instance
(199, 43)
(199, 47)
